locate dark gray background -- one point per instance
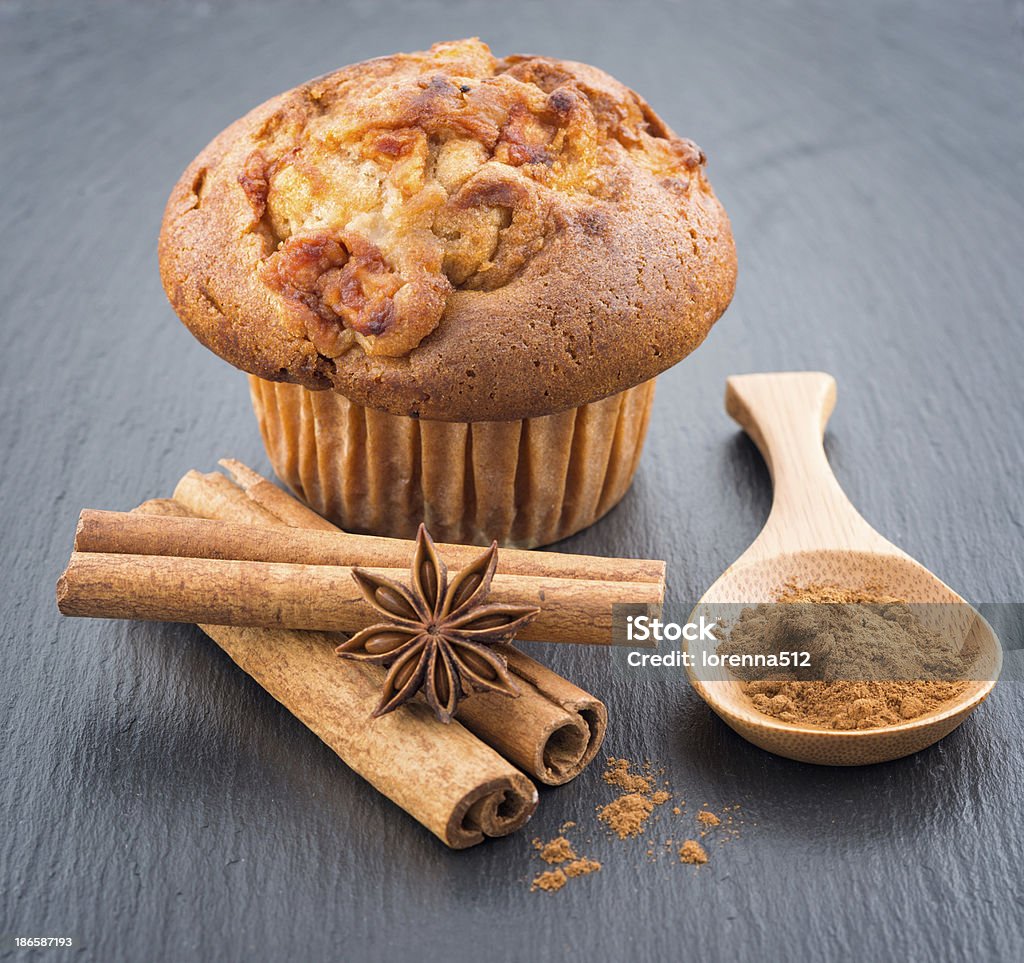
(158, 805)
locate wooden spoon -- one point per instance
(814, 536)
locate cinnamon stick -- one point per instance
(552, 731)
(279, 503)
(254, 504)
(288, 595)
(129, 534)
(224, 497)
(442, 775)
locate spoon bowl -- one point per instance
(814, 536)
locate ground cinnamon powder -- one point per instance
(560, 852)
(692, 852)
(581, 867)
(854, 636)
(549, 881)
(642, 790)
(627, 815)
(620, 775)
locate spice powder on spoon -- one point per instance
(873, 662)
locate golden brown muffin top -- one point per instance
(450, 235)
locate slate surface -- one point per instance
(158, 805)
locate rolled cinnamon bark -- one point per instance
(288, 595)
(126, 533)
(552, 731)
(223, 500)
(442, 775)
(343, 548)
(279, 503)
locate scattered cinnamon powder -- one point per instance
(873, 663)
(581, 867)
(560, 851)
(692, 852)
(619, 774)
(627, 815)
(549, 881)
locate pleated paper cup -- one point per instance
(524, 483)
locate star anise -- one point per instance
(438, 633)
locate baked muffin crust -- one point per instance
(452, 236)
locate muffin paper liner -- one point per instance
(524, 483)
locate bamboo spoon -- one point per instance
(814, 535)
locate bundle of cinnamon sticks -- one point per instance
(182, 569)
(257, 570)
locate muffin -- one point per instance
(452, 280)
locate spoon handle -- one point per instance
(785, 415)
